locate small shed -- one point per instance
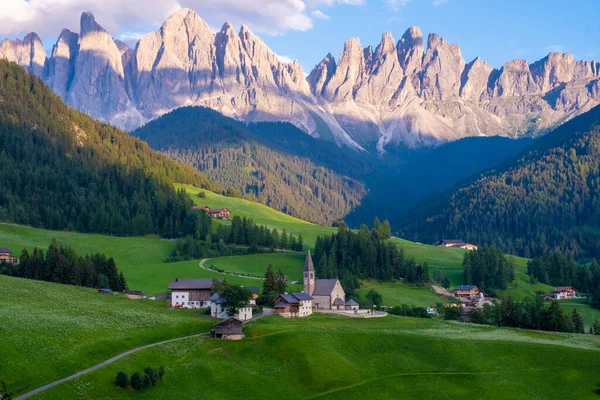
(338, 304)
(105, 290)
(351, 305)
(229, 329)
(134, 294)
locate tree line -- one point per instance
(62, 170)
(202, 241)
(274, 164)
(488, 269)
(350, 256)
(548, 200)
(62, 264)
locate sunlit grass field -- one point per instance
(49, 331)
(343, 358)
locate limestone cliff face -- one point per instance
(400, 92)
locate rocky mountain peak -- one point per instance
(88, 24)
(410, 50)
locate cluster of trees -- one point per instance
(62, 170)
(529, 314)
(407, 310)
(488, 268)
(139, 381)
(274, 284)
(275, 164)
(559, 270)
(62, 264)
(548, 200)
(350, 256)
(201, 241)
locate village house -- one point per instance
(219, 213)
(254, 290)
(456, 243)
(293, 305)
(6, 257)
(468, 292)
(324, 292)
(229, 329)
(191, 293)
(218, 310)
(564, 292)
(206, 209)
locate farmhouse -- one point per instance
(468, 292)
(134, 294)
(6, 257)
(191, 293)
(218, 309)
(456, 243)
(323, 291)
(201, 208)
(293, 305)
(564, 292)
(229, 329)
(219, 213)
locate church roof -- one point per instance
(324, 287)
(338, 302)
(308, 263)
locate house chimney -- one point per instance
(176, 279)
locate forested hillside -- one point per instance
(548, 200)
(273, 163)
(60, 169)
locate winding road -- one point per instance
(102, 364)
(226, 273)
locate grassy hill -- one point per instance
(50, 331)
(340, 358)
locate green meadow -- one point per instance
(49, 331)
(397, 293)
(342, 358)
(291, 264)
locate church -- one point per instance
(327, 294)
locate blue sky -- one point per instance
(306, 30)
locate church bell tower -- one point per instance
(309, 275)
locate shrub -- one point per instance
(202, 194)
(146, 383)
(136, 381)
(152, 375)
(161, 373)
(122, 380)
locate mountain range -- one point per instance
(411, 92)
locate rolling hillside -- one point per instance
(341, 358)
(548, 200)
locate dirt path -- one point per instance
(102, 364)
(226, 273)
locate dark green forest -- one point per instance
(275, 164)
(60, 169)
(548, 200)
(62, 264)
(351, 256)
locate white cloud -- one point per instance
(319, 14)
(396, 5)
(439, 2)
(284, 59)
(48, 17)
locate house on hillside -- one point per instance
(324, 292)
(564, 292)
(254, 290)
(206, 209)
(456, 243)
(468, 292)
(6, 256)
(229, 329)
(191, 293)
(218, 310)
(293, 305)
(219, 213)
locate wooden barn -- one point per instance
(229, 329)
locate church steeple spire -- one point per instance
(309, 275)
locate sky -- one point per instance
(306, 30)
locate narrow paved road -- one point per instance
(102, 364)
(226, 273)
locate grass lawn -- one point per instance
(590, 314)
(397, 293)
(49, 331)
(343, 358)
(261, 214)
(290, 263)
